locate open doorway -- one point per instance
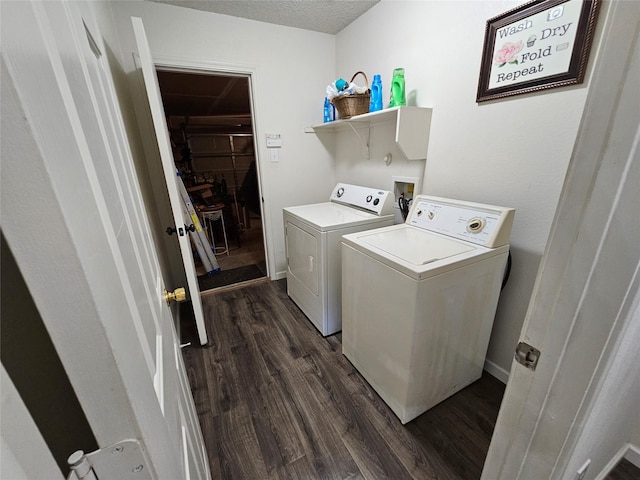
(211, 127)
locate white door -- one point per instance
(588, 278)
(73, 217)
(144, 61)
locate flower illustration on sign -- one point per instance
(508, 53)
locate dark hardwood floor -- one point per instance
(276, 400)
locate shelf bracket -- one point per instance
(365, 143)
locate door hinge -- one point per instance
(123, 460)
(527, 355)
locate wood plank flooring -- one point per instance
(276, 400)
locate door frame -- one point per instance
(185, 65)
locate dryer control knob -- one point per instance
(369, 197)
(475, 225)
(376, 201)
(340, 192)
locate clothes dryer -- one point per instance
(419, 300)
(312, 241)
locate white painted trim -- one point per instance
(633, 454)
(280, 275)
(612, 463)
(496, 371)
(185, 63)
(629, 452)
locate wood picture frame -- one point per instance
(539, 45)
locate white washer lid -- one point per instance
(417, 247)
(331, 215)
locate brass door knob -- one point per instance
(178, 295)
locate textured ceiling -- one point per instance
(328, 16)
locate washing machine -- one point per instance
(312, 241)
(419, 299)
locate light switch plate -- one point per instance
(274, 140)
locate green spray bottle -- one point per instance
(398, 97)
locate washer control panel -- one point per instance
(486, 225)
(379, 202)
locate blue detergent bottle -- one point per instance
(328, 110)
(376, 94)
(398, 97)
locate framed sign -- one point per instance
(541, 44)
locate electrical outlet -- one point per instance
(582, 471)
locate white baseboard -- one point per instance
(629, 452)
(633, 455)
(279, 275)
(498, 372)
(622, 453)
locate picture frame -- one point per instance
(539, 45)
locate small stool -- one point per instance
(209, 218)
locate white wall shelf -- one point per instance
(411, 132)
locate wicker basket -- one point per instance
(356, 104)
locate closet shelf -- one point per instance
(412, 126)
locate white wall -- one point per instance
(292, 68)
(512, 152)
